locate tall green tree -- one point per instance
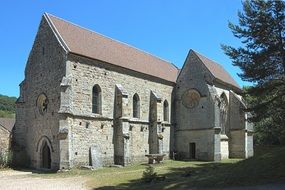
(261, 58)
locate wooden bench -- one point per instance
(155, 158)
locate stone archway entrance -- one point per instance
(44, 153)
(46, 157)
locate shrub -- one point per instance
(5, 159)
(149, 175)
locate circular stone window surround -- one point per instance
(42, 103)
(191, 98)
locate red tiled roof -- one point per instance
(7, 123)
(217, 70)
(91, 44)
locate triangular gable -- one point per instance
(217, 70)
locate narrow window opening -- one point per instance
(192, 150)
(165, 111)
(96, 99)
(136, 106)
(224, 114)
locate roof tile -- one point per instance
(91, 44)
(217, 70)
(7, 123)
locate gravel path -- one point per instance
(18, 180)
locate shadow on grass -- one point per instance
(266, 167)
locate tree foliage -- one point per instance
(149, 175)
(261, 58)
(7, 106)
(266, 131)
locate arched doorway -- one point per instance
(44, 153)
(46, 156)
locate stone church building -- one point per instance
(90, 100)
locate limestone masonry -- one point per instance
(6, 126)
(88, 100)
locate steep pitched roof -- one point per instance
(217, 70)
(7, 123)
(84, 42)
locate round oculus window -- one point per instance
(191, 98)
(42, 103)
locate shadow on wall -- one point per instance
(266, 167)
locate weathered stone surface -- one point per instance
(203, 123)
(76, 136)
(96, 157)
(5, 139)
(43, 74)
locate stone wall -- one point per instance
(84, 73)
(43, 74)
(5, 139)
(206, 115)
(196, 124)
(204, 142)
(75, 135)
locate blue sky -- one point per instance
(165, 28)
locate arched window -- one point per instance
(224, 113)
(136, 106)
(96, 99)
(165, 111)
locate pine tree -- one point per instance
(149, 175)
(261, 57)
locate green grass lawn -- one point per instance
(267, 166)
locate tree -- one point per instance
(265, 130)
(149, 175)
(7, 106)
(261, 58)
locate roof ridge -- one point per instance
(56, 32)
(201, 56)
(207, 58)
(118, 41)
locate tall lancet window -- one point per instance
(224, 108)
(136, 106)
(165, 111)
(96, 99)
